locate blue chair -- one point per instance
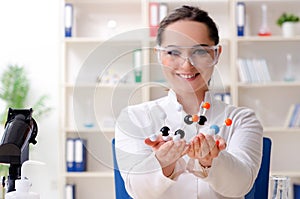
(120, 190)
(261, 185)
(258, 191)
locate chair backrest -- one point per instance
(260, 188)
(120, 190)
(258, 191)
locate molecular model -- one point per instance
(190, 119)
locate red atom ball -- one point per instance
(228, 122)
(195, 118)
(206, 105)
(217, 143)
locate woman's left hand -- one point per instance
(205, 148)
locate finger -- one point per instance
(210, 141)
(183, 146)
(167, 146)
(204, 147)
(214, 150)
(191, 151)
(150, 143)
(197, 144)
(154, 140)
(221, 144)
(186, 150)
(163, 154)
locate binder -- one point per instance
(70, 154)
(80, 154)
(153, 18)
(163, 11)
(137, 65)
(68, 19)
(70, 191)
(240, 20)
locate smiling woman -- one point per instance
(201, 163)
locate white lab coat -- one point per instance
(232, 173)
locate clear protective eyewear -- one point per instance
(199, 56)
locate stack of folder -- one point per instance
(76, 154)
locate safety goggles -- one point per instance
(198, 56)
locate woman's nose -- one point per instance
(187, 63)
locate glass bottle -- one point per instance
(289, 73)
(280, 187)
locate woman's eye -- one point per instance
(200, 52)
(173, 52)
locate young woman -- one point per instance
(200, 165)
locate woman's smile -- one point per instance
(188, 76)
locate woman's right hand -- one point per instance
(168, 152)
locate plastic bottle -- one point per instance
(23, 185)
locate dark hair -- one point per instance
(189, 13)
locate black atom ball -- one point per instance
(188, 119)
(180, 132)
(165, 131)
(202, 120)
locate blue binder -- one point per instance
(70, 154)
(240, 21)
(68, 19)
(70, 191)
(80, 154)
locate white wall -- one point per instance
(29, 36)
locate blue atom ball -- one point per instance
(215, 127)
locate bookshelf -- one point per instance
(106, 32)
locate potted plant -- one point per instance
(287, 22)
(14, 88)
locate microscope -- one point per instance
(19, 131)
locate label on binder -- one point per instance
(68, 19)
(163, 11)
(70, 154)
(153, 18)
(70, 191)
(80, 154)
(137, 65)
(240, 20)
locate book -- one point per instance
(265, 70)
(243, 71)
(224, 97)
(289, 115)
(253, 71)
(293, 116)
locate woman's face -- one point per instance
(188, 56)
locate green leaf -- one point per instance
(287, 17)
(14, 90)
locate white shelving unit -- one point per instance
(94, 49)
